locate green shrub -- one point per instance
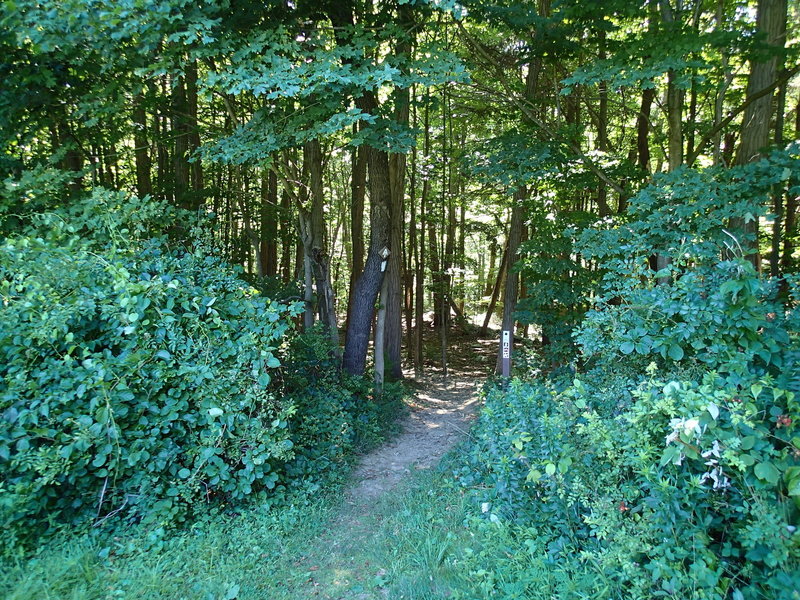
(691, 492)
(699, 309)
(671, 468)
(135, 377)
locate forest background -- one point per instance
(187, 183)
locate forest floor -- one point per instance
(392, 531)
(352, 564)
(349, 566)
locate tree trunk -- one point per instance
(394, 288)
(495, 291)
(380, 341)
(141, 152)
(771, 21)
(193, 130)
(512, 277)
(419, 308)
(268, 248)
(602, 129)
(314, 241)
(643, 130)
(777, 225)
(368, 285)
(790, 214)
(358, 186)
(286, 237)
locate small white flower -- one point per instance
(691, 425)
(714, 451)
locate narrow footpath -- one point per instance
(350, 560)
(440, 415)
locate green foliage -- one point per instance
(690, 491)
(340, 413)
(134, 377)
(671, 468)
(698, 308)
(556, 281)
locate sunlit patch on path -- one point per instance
(440, 415)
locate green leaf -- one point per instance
(184, 473)
(792, 477)
(626, 347)
(675, 352)
(671, 454)
(550, 469)
(748, 460)
(533, 476)
(215, 412)
(766, 471)
(748, 442)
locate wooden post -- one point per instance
(380, 327)
(506, 354)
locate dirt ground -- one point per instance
(441, 412)
(440, 415)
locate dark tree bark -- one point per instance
(314, 241)
(368, 285)
(180, 134)
(411, 253)
(394, 289)
(643, 130)
(790, 213)
(419, 307)
(195, 167)
(358, 187)
(495, 291)
(755, 132)
(268, 247)
(602, 129)
(490, 270)
(286, 237)
(778, 198)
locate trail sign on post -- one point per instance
(506, 353)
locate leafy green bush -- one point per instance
(556, 280)
(135, 378)
(671, 468)
(336, 414)
(691, 492)
(699, 309)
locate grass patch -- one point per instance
(254, 555)
(411, 544)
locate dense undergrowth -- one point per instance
(668, 464)
(142, 381)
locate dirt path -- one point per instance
(343, 564)
(440, 415)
